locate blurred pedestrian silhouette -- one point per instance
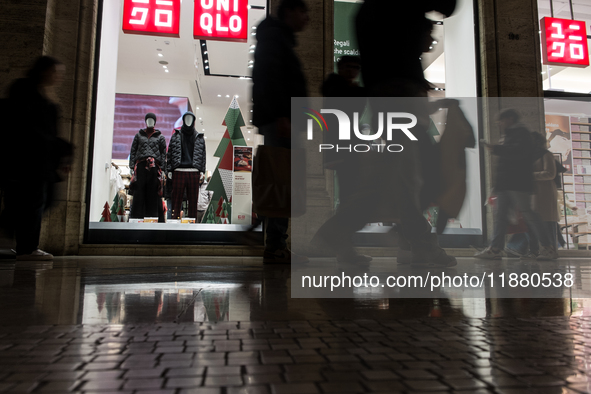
(514, 185)
(32, 154)
(277, 77)
(545, 197)
(399, 73)
(339, 229)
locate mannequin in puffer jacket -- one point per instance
(185, 162)
(147, 160)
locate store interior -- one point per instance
(170, 75)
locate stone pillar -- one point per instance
(65, 29)
(315, 50)
(509, 66)
(72, 32)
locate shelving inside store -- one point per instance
(578, 184)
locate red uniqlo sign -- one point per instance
(224, 20)
(564, 42)
(152, 17)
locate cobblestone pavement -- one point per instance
(143, 326)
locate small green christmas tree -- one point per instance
(114, 208)
(121, 210)
(210, 215)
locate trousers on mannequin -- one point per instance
(189, 181)
(146, 201)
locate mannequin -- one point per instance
(185, 162)
(147, 161)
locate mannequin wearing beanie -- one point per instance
(147, 161)
(185, 162)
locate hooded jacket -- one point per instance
(515, 160)
(277, 74)
(181, 142)
(143, 147)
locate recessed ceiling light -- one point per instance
(205, 137)
(248, 139)
(236, 96)
(248, 131)
(196, 107)
(161, 55)
(199, 118)
(253, 34)
(251, 51)
(207, 67)
(206, 61)
(250, 66)
(251, 121)
(166, 71)
(254, 27)
(205, 53)
(251, 61)
(203, 130)
(203, 44)
(252, 46)
(251, 110)
(164, 67)
(219, 95)
(227, 95)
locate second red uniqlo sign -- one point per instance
(564, 42)
(225, 20)
(152, 17)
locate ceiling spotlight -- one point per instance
(227, 95)
(251, 51)
(252, 46)
(251, 121)
(207, 67)
(251, 61)
(205, 137)
(251, 110)
(205, 53)
(254, 27)
(250, 66)
(161, 55)
(434, 42)
(219, 95)
(249, 131)
(253, 34)
(203, 44)
(165, 71)
(203, 130)
(164, 67)
(206, 61)
(196, 107)
(199, 118)
(248, 139)
(236, 95)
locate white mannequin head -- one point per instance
(188, 120)
(150, 122)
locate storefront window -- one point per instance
(166, 58)
(450, 66)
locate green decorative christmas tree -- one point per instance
(115, 208)
(221, 180)
(121, 210)
(209, 216)
(106, 215)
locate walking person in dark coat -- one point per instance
(277, 77)
(399, 73)
(514, 185)
(30, 138)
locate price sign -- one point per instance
(564, 42)
(223, 20)
(152, 17)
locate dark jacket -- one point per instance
(277, 74)
(515, 160)
(31, 132)
(401, 24)
(175, 152)
(144, 147)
